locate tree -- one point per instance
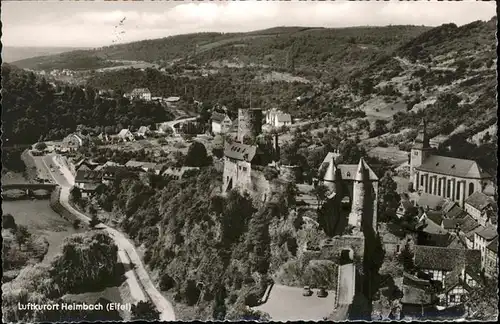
(482, 302)
(406, 258)
(41, 146)
(76, 194)
(76, 223)
(389, 199)
(145, 311)
(320, 192)
(94, 220)
(197, 155)
(8, 222)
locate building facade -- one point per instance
(446, 177)
(221, 123)
(491, 259)
(238, 159)
(482, 208)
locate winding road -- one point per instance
(138, 279)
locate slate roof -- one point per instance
(453, 167)
(284, 118)
(124, 132)
(431, 201)
(218, 117)
(493, 246)
(139, 91)
(488, 233)
(240, 151)
(454, 212)
(88, 176)
(140, 164)
(468, 224)
(470, 235)
(347, 171)
(435, 216)
(178, 172)
(430, 227)
(450, 224)
(479, 200)
(414, 291)
(456, 242)
(443, 258)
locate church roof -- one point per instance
(460, 168)
(479, 200)
(240, 151)
(218, 117)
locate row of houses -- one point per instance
(92, 178)
(455, 246)
(222, 123)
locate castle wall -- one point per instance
(331, 249)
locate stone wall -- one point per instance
(330, 249)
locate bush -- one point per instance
(41, 146)
(382, 144)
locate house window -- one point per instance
(415, 153)
(439, 188)
(471, 188)
(397, 248)
(244, 168)
(458, 192)
(422, 179)
(462, 298)
(452, 298)
(448, 189)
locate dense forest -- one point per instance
(33, 110)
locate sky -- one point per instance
(97, 23)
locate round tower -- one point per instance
(249, 123)
(358, 195)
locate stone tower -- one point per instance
(249, 123)
(420, 151)
(363, 213)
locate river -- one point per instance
(41, 220)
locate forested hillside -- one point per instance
(34, 110)
(309, 48)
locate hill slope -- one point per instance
(312, 48)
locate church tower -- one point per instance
(420, 151)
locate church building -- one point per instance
(446, 177)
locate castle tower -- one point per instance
(420, 151)
(249, 123)
(358, 196)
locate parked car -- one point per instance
(322, 293)
(307, 291)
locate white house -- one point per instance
(141, 93)
(221, 123)
(143, 131)
(482, 238)
(277, 118)
(481, 207)
(126, 135)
